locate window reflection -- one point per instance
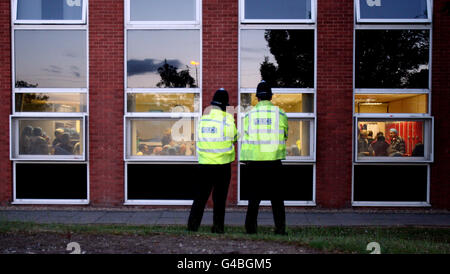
(393, 9)
(49, 9)
(163, 58)
(391, 138)
(293, 102)
(50, 58)
(163, 137)
(277, 9)
(298, 143)
(166, 10)
(283, 58)
(391, 103)
(392, 58)
(163, 102)
(50, 102)
(50, 137)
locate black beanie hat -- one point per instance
(220, 99)
(264, 91)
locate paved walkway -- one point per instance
(236, 218)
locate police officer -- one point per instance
(262, 149)
(217, 134)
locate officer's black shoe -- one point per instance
(192, 228)
(280, 232)
(251, 229)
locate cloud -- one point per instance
(53, 69)
(135, 67)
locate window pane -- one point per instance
(299, 142)
(392, 58)
(391, 138)
(50, 136)
(393, 9)
(51, 181)
(49, 9)
(50, 58)
(283, 58)
(163, 58)
(51, 102)
(293, 102)
(162, 10)
(163, 137)
(277, 9)
(391, 103)
(163, 102)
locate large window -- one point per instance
(284, 55)
(50, 97)
(392, 97)
(162, 92)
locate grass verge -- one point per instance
(392, 240)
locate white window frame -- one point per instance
(282, 21)
(14, 137)
(428, 126)
(50, 201)
(395, 24)
(58, 22)
(391, 203)
(380, 20)
(311, 160)
(128, 116)
(132, 23)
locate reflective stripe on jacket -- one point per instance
(265, 133)
(216, 133)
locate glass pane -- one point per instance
(163, 137)
(391, 103)
(298, 143)
(163, 58)
(163, 102)
(49, 9)
(278, 9)
(393, 9)
(51, 102)
(391, 138)
(392, 58)
(50, 58)
(51, 137)
(162, 10)
(293, 102)
(283, 58)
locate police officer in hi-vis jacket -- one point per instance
(265, 132)
(216, 133)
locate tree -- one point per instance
(293, 51)
(171, 78)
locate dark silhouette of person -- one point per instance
(379, 147)
(25, 140)
(64, 147)
(39, 145)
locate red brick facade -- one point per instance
(220, 28)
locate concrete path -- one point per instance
(235, 218)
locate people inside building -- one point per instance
(64, 147)
(25, 140)
(397, 147)
(370, 138)
(363, 144)
(217, 134)
(379, 147)
(263, 147)
(143, 150)
(39, 145)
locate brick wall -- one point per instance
(220, 59)
(5, 102)
(106, 102)
(440, 96)
(334, 103)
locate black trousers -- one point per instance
(265, 185)
(215, 178)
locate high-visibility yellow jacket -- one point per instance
(265, 133)
(216, 133)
